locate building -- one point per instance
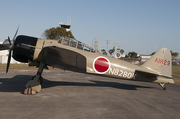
(144, 58)
(66, 26)
(4, 57)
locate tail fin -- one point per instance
(160, 63)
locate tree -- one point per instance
(174, 54)
(54, 33)
(118, 55)
(111, 51)
(153, 53)
(6, 40)
(127, 56)
(132, 54)
(104, 51)
(121, 51)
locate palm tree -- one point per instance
(111, 51)
(121, 51)
(104, 52)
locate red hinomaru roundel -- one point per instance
(101, 65)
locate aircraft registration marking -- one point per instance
(162, 61)
(120, 73)
(102, 65)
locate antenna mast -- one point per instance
(96, 45)
(93, 44)
(107, 46)
(115, 47)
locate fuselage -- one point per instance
(70, 54)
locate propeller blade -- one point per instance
(9, 60)
(15, 34)
(9, 40)
(11, 48)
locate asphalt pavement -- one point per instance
(72, 95)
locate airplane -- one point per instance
(71, 54)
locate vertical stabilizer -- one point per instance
(160, 63)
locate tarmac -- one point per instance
(72, 95)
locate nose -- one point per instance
(24, 47)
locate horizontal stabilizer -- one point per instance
(151, 77)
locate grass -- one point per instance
(175, 70)
(23, 66)
(176, 74)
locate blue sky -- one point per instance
(134, 25)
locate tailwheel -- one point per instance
(162, 86)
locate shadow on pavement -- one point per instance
(17, 84)
(48, 84)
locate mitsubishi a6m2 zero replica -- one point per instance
(70, 54)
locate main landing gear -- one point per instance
(34, 86)
(162, 85)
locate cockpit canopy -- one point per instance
(74, 43)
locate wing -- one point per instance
(63, 58)
(2, 47)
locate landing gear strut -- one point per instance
(162, 85)
(34, 86)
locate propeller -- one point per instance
(11, 48)
(9, 41)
